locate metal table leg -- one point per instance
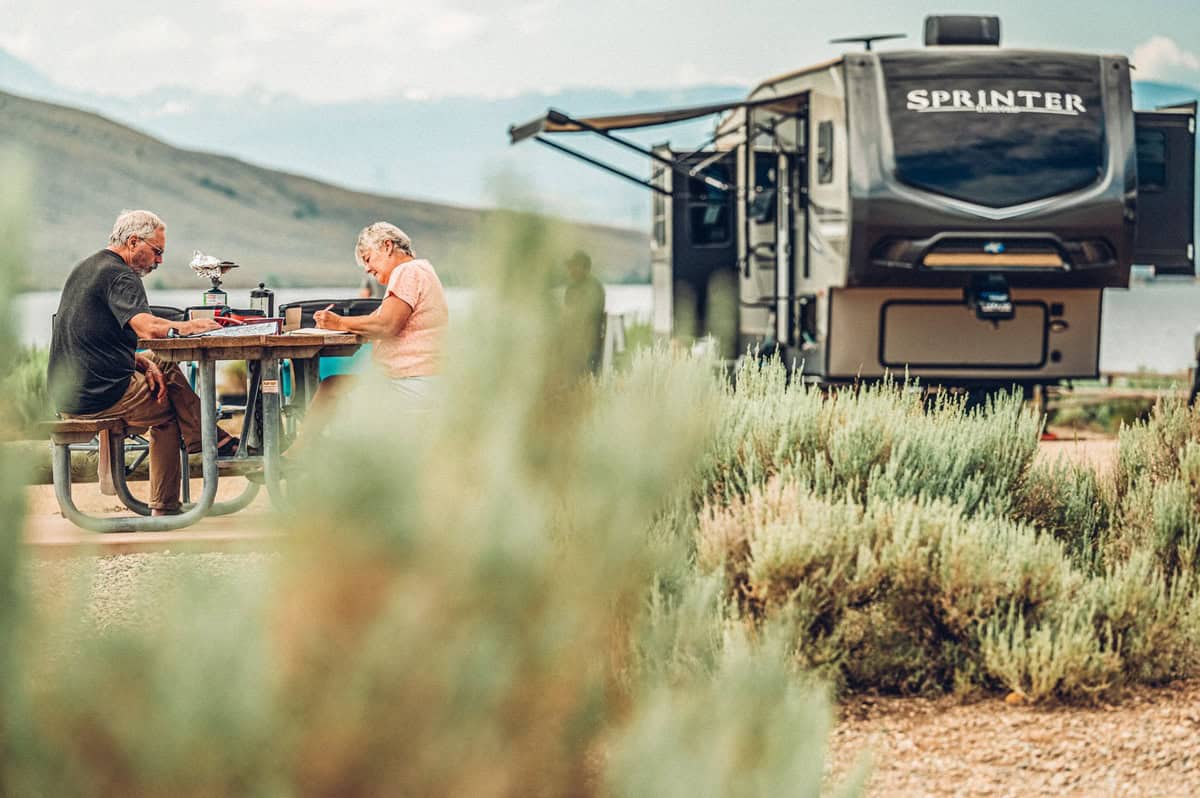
(271, 433)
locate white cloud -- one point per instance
(530, 19)
(451, 28)
(1161, 58)
(23, 44)
(341, 50)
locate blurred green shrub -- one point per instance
(1107, 417)
(26, 399)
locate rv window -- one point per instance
(659, 211)
(765, 164)
(709, 225)
(825, 152)
(762, 207)
(1151, 160)
(762, 204)
(994, 131)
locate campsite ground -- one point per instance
(1146, 744)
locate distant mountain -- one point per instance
(452, 150)
(281, 228)
(449, 150)
(19, 77)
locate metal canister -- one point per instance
(263, 299)
(216, 297)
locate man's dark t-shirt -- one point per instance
(92, 345)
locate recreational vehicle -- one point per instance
(953, 211)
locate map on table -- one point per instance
(241, 330)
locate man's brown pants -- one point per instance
(178, 416)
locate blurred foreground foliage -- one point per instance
(463, 607)
(26, 397)
(639, 585)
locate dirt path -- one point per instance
(1098, 451)
(1149, 744)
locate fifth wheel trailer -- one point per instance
(953, 212)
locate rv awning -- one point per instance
(555, 121)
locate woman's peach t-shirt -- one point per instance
(416, 351)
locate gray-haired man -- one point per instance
(95, 370)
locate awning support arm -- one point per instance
(759, 127)
(559, 118)
(601, 165)
(710, 142)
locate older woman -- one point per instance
(407, 327)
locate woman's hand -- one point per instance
(328, 320)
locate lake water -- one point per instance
(35, 308)
(1149, 326)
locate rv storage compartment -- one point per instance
(932, 332)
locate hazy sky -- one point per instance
(358, 49)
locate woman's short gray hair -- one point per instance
(135, 223)
(373, 235)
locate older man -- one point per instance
(95, 370)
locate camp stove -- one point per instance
(214, 269)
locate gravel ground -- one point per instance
(122, 589)
(1100, 452)
(1148, 744)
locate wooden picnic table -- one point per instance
(264, 353)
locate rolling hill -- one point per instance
(281, 228)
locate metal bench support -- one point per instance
(114, 453)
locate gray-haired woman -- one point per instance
(408, 327)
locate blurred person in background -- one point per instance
(95, 370)
(583, 314)
(370, 288)
(407, 328)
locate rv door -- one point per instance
(1166, 212)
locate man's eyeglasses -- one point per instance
(158, 251)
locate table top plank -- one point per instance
(252, 347)
(236, 341)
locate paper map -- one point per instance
(241, 330)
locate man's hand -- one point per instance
(198, 326)
(328, 320)
(154, 376)
(147, 325)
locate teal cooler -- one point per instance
(357, 363)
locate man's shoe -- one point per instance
(229, 447)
